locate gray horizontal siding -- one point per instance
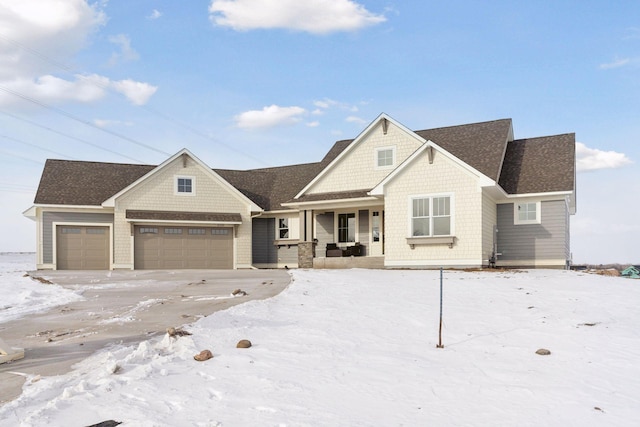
(264, 251)
(548, 240)
(48, 218)
(324, 232)
(264, 230)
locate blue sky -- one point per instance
(253, 83)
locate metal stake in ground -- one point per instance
(440, 330)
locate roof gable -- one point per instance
(383, 121)
(182, 153)
(480, 145)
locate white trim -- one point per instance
(550, 195)
(376, 155)
(357, 141)
(187, 223)
(484, 181)
(356, 231)
(176, 178)
(452, 211)
(54, 238)
(516, 217)
(337, 203)
(111, 201)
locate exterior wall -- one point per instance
(48, 233)
(442, 177)
(158, 193)
(534, 245)
(265, 253)
(357, 171)
(324, 232)
(489, 222)
(363, 230)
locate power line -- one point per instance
(68, 69)
(78, 119)
(70, 136)
(10, 138)
(21, 157)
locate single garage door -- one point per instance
(160, 248)
(82, 248)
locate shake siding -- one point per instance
(489, 220)
(157, 193)
(48, 218)
(545, 241)
(423, 179)
(357, 170)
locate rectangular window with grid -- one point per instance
(283, 228)
(197, 231)
(385, 157)
(185, 185)
(431, 216)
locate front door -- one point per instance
(376, 222)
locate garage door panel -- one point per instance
(183, 247)
(82, 248)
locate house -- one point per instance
(632, 272)
(458, 196)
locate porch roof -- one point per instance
(220, 217)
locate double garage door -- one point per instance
(157, 247)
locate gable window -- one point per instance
(283, 228)
(185, 185)
(385, 157)
(431, 216)
(346, 227)
(526, 213)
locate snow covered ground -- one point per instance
(21, 296)
(358, 348)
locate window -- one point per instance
(385, 157)
(71, 230)
(375, 226)
(173, 231)
(283, 228)
(197, 231)
(346, 227)
(431, 216)
(526, 213)
(185, 185)
(100, 230)
(148, 230)
(220, 231)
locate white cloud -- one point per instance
(590, 159)
(155, 14)
(136, 92)
(127, 53)
(357, 120)
(270, 116)
(104, 123)
(40, 36)
(615, 64)
(313, 124)
(313, 16)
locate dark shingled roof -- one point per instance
(184, 216)
(270, 187)
(530, 166)
(66, 182)
(338, 195)
(480, 145)
(539, 165)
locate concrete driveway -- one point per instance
(121, 307)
